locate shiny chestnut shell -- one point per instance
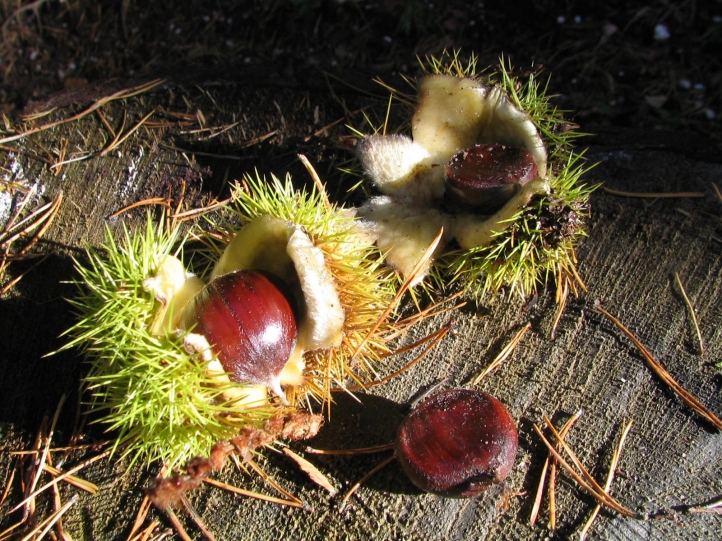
(457, 443)
(247, 318)
(482, 178)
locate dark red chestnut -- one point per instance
(482, 178)
(248, 320)
(457, 443)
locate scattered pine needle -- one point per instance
(313, 472)
(406, 285)
(271, 481)
(365, 478)
(435, 338)
(320, 186)
(714, 507)
(504, 353)
(584, 478)
(180, 530)
(653, 195)
(360, 451)
(256, 495)
(610, 478)
(692, 313)
(163, 201)
(140, 518)
(122, 94)
(61, 478)
(145, 534)
(716, 190)
(196, 517)
(552, 478)
(665, 376)
(82, 484)
(44, 527)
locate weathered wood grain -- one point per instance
(671, 460)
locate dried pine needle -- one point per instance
(610, 478)
(504, 353)
(61, 478)
(82, 484)
(665, 376)
(583, 479)
(540, 489)
(122, 94)
(360, 451)
(692, 313)
(716, 190)
(365, 478)
(44, 527)
(652, 195)
(256, 495)
(140, 519)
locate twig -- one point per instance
(665, 376)
(504, 353)
(610, 478)
(691, 313)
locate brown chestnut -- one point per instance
(247, 318)
(457, 443)
(482, 178)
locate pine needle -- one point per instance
(652, 195)
(610, 478)
(687, 397)
(692, 313)
(504, 353)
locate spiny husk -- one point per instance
(157, 398)
(364, 285)
(527, 253)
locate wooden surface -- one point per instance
(671, 459)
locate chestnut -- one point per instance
(248, 319)
(457, 443)
(482, 178)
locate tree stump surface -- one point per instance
(202, 135)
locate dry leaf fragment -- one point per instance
(313, 472)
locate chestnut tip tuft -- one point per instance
(457, 443)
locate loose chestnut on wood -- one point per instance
(457, 443)
(482, 178)
(249, 321)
